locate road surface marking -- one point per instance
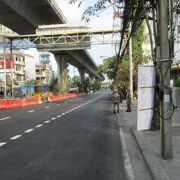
(53, 118)
(2, 144)
(31, 111)
(58, 104)
(47, 122)
(40, 125)
(46, 107)
(2, 119)
(59, 116)
(63, 114)
(29, 130)
(15, 137)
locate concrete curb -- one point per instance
(154, 165)
(127, 163)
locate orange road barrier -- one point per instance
(12, 103)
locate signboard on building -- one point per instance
(8, 63)
(146, 82)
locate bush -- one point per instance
(177, 83)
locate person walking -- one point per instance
(116, 101)
(128, 101)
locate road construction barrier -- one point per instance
(12, 103)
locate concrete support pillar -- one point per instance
(62, 72)
(82, 77)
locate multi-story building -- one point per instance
(43, 74)
(14, 66)
(44, 69)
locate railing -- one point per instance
(65, 41)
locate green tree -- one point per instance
(108, 67)
(54, 87)
(76, 81)
(96, 85)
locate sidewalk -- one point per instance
(149, 144)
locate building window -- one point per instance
(18, 77)
(18, 68)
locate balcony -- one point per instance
(20, 72)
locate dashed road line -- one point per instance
(38, 126)
(57, 104)
(2, 143)
(31, 111)
(29, 130)
(46, 107)
(47, 122)
(2, 119)
(15, 137)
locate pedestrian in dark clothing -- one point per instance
(128, 101)
(116, 101)
(121, 95)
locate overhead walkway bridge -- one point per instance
(24, 17)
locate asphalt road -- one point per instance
(75, 139)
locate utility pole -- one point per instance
(12, 67)
(165, 63)
(130, 66)
(5, 74)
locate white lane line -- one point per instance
(2, 144)
(63, 114)
(53, 118)
(59, 116)
(2, 119)
(31, 111)
(46, 107)
(58, 104)
(15, 137)
(38, 126)
(47, 122)
(29, 130)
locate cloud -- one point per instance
(71, 12)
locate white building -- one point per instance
(14, 67)
(30, 67)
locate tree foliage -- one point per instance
(94, 10)
(76, 81)
(107, 67)
(96, 85)
(121, 77)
